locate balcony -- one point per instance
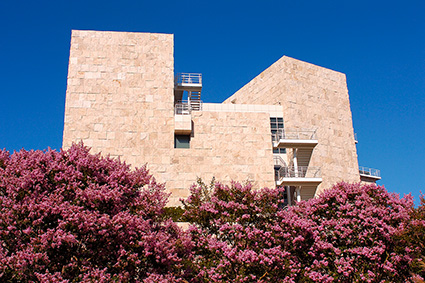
(369, 174)
(290, 138)
(182, 108)
(185, 107)
(296, 176)
(188, 81)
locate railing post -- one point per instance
(298, 192)
(289, 195)
(295, 162)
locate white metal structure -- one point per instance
(186, 107)
(293, 138)
(191, 80)
(366, 172)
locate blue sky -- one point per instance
(379, 45)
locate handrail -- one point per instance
(294, 134)
(188, 78)
(277, 160)
(185, 107)
(182, 108)
(366, 171)
(299, 172)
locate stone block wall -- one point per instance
(312, 97)
(225, 145)
(120, 101)
(119, 98)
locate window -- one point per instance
(276, 124)
(181, 141)
(279, 150)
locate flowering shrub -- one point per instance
(72, 216)
(347, 234)
(413, 237)
(355, 228)
(240, 236)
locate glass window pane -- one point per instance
(181, 141)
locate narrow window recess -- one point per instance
(276, 124)
(181, 141)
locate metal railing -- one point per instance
(277, 160)
(291, 134)
(182, 108)
(369, 172)
(299, 172)
(186, 107)
(188, 78)
(196, 105)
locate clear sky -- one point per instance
(379, 45)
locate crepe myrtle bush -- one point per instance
(72, 216)
(346, 234)
(244, 235)
(355, 229)
(413, 237)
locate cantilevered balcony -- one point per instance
(296, 176)
(186, 107)
(188, 81)
(183, 117)
(290, 138)
(182, 108)
(369, 174)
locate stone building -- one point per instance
(290, 126)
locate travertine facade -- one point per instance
(219, 148)
(119, 98)
(316, 98)
(122, 100)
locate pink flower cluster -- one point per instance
(347, 234)
(72, 216)
(414, 239)
(355, 230)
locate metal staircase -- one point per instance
(194, 99)
(187, 86)
(298, 175)
(190, 85)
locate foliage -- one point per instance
(173, 212)
(413, 236)
(355, 228)
(243, 235)
(71, 216)
(347, 234)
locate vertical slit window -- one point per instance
(181, 141)
(276, 125)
